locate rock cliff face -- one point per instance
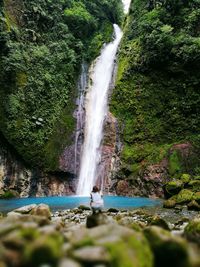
(151, 178)
(18, 179)
(156, 98)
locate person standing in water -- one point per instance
(96, 202)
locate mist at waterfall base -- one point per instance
(70, 202)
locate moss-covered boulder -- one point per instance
(184, 196)
(185, 177)
(96, 220)
(156, 220)
(168, 249)
(194, 185)
(192, 231)
(174, 187)
(41, 210)
(196, 197)
(169, 203)
(124, 247)
(44, 250)
(193, 205)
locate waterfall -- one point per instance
(126, 4)
(96, 110)
(80, 115)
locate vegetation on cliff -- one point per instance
(157, 94)
(42, 45)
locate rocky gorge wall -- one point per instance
(156, 98)
(17, 179)
(42, 47)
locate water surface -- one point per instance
(69, 202)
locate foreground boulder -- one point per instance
(184, 196)
(41, 210)
(169, 203)
(174, 187)
(168, 249)
(193, 205)
(112, 245)
(96, 220)
(192, 231)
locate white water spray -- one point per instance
(96, 110)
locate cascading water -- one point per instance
(126, 4)
(96, 109)
(80, 115)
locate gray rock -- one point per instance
(68, 263)
(96, 220)
(82, 207)
(41, 210)
(25, 209)
(92, 254)
(113, 210)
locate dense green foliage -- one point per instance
(157, 95)
(42, 45)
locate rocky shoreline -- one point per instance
(153, 237)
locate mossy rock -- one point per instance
(9, 194)
(169, 203)
(44, 250)
(196, 197)
(131, 251)
(160, 222)
(41, 210)
(174, 187)
(193, 205)
(168, 249)
(96, 219)
(83, 207)
(192, 231)
(185, 178)
(184, 196)
(126, 247)
(194, 185)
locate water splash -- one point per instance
(96, 109)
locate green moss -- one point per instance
(87, 241)
(184, 196)
(196, 197)
(135, 252)
(174, 164)
(7, 21)
(192, 231)
(174, 187)
(140, 155)
(44, 250)
(21, 79)
(60, 138)
(169, 203)
(8, 194)
(168, 250)
(194, 185)
(185, 177)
